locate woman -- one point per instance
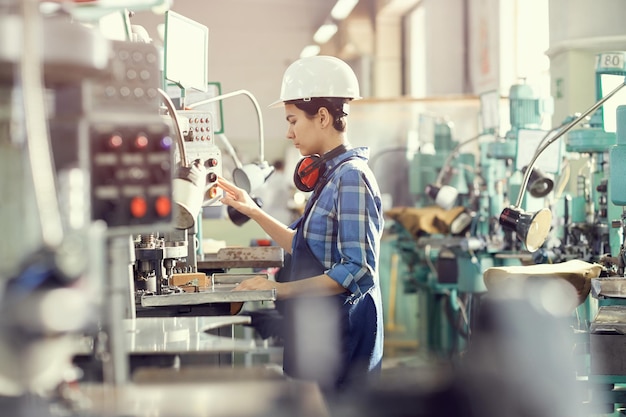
(330, 297)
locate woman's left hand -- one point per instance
(258, 283)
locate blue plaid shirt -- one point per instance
(345, 224)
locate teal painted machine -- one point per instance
(514, 150)
(445, 263)
(599, 206)
(444, 309)
(591, 210)
(607, 333)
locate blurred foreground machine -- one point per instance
(91, 183)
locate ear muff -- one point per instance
(308, 171)
(311, 168)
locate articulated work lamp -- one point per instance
(445, 195)
(189, 184)
(538, 184)
(533, 228)
(250, 176)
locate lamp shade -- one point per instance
(251, 176)
(531, 228)
(444, 196)
(538, 184)
(238, 217)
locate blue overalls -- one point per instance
(332, 340)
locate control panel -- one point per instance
(199, 142)
(111, 127)
(131, 173)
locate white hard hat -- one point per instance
(318, 76)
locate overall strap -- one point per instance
(321, 184)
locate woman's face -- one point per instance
(303, 131)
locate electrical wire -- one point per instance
(230, 149)
(375, 157)
(463, 309)
(429, 262)
(450, 157)
(176, 120)
(256, 107)
(564, 179)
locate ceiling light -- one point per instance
(325, 32)
(310, 50)
(342, 9)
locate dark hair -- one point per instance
(337, 107)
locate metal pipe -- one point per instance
(38, 140)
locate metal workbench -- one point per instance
(164, 342)
(217, 298)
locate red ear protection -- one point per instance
(311, 168)
(308, 171)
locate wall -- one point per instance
(580, 29)
(436, 49)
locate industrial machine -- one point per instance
(104, 181)
(449, 244)
(54, 275)
(603, 138)
(435, 243)
(589, 229)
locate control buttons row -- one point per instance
(200, 128)
(139, 207)
(138, 142)
(126, 92)
(137, 56)
(143, 75)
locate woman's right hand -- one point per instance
(236, 197)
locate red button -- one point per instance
(138, 207)
(212, 192)
(163, 206)
(141, 141)
(115, 141)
